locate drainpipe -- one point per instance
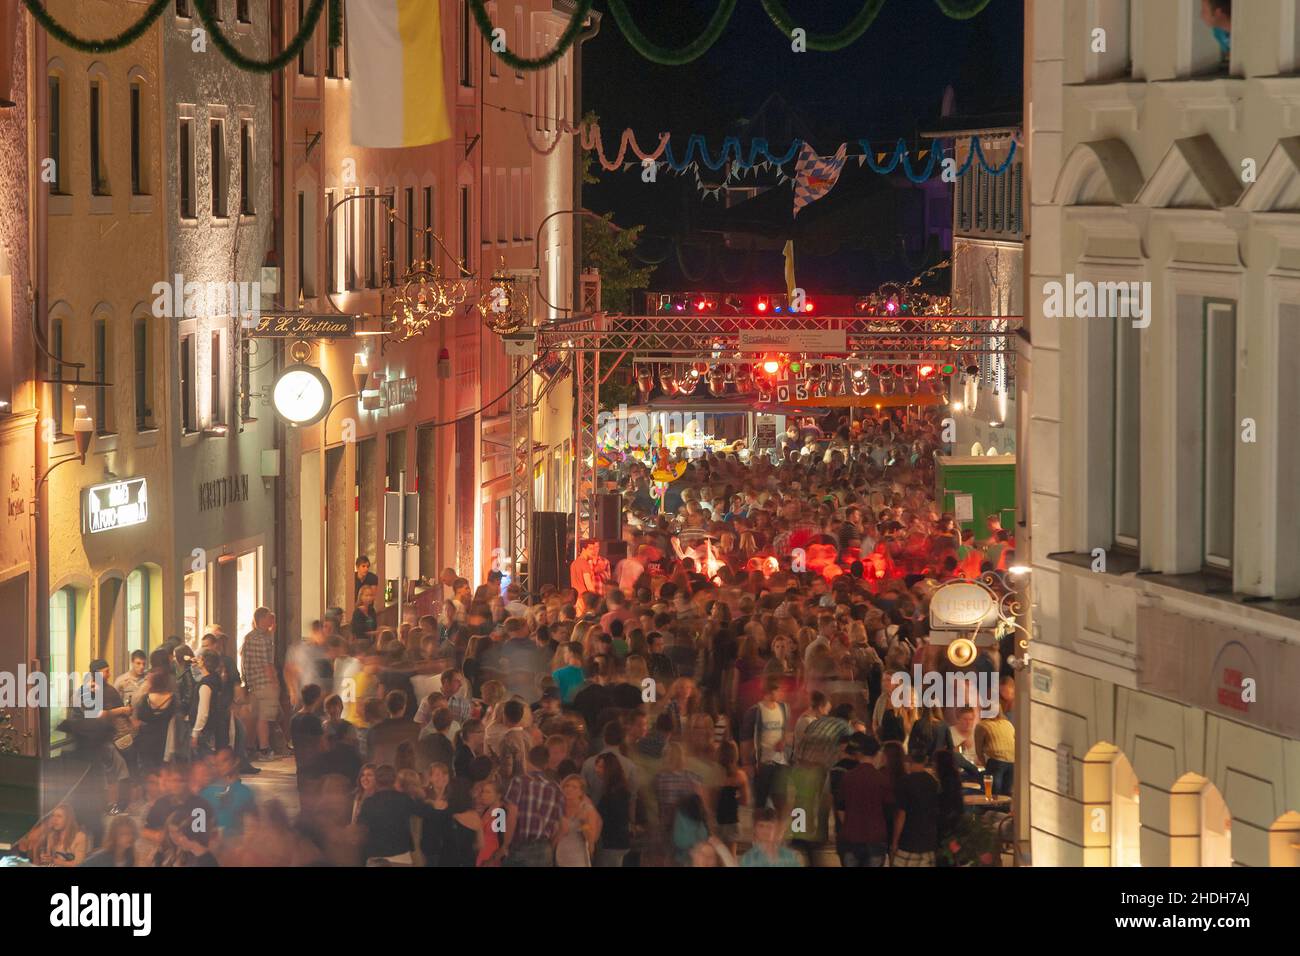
(279, 91)
(590, 32)
(44, 394)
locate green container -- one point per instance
(991, 483)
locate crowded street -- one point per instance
(648, 435)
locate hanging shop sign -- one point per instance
(824, 341)
(300, 326)
(962, 606)
(119, 504)
(223, 491)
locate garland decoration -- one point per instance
(106, 45)
(529, 64)
(826, 43)
(310, 17)
(662, 55)
(590, 137)
(961, 9)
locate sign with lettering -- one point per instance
(295, 326)
(399, 391)
(823, 341)
(223, 491)
(962, 606)
(118, 504)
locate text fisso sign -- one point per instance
(962, 606)
(118, 504)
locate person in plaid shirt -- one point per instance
(534, 805)
(258, 666)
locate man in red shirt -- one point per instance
(865, 792)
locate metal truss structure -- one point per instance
(601, 342)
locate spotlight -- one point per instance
(925, 371)
(808, 306)
(762, 305)
(771, 366)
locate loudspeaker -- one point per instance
(613, 551)
(608, 524)
(550, 561)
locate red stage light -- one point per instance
(771, 366)
(762, 305)
(925, 371)
(807, 306)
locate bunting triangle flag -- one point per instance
(395, 57)
(815, 175)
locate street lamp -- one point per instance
(83, 432)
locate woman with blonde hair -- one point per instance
(411, 783)
(575, 839)
(62, 842)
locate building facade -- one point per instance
(437, 422)
(19, 431)
(1164, 307)
(100, 230)
(219, 217)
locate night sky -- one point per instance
(886, 85)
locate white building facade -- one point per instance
(1165, 510)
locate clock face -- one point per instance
(301, 395)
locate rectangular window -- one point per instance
(428, 223)
(466, 45)
(1127, 431)
(216, 376)
(183, 8)
(503, 207)
(526, 203)
(332, 59)
(98, 174)
(143, 376)
(409, 198)
(63, 643)
(56, 133)
(350, 244)
(493, 60)
(246, 167)
(241, 11)
(307, 58)
(186, 160)
(520, 37)
(331, 244)
(189, 419)
(302, 244)
(370, 237)
(520, 216)
(465, 210)
(390, 251)
(137, 132)
(56, 371)
(1219, 438)
(245, 382)
(103, 369)
(217, 141)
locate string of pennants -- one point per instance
(735, 163)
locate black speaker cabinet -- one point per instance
(609, 517)
(550, 559)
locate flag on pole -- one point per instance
(788, 252)
(395, 58)
(814, 175)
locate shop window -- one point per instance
(62, 654)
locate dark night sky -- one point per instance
(887, 84)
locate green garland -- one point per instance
(514, 60)
(657, 54)
(821, 42)
(286, 56)
(137, 29)
(961, 9)
(107, 45)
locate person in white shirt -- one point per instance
(629, 571)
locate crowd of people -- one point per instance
(729, 685)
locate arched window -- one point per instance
(137, 611)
